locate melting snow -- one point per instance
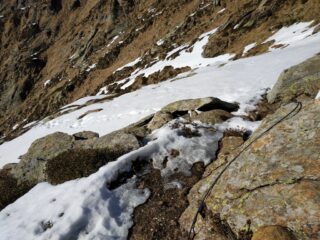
(91, 67)
(47, 83)
(292, 34)
(248, 48)
(222, 10)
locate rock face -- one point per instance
(300, 79)
(274, 182)
(60, 157)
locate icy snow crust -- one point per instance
(85, 208)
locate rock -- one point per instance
(9, 188)
(139, 129)
(85, 135)
(272, 233)
(300, 79)
(201, 104)
(274, 182)
(211, 226)
(212, 117)
(159, 119)
(60, 157)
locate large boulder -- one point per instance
(274, 182)
(201, 104)
(159, 119)
(60, 157)
(297, 80)
(9, 188)
(212, 117)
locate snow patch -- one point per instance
(248, 48)
(291, 34)
(47, 83)
(222, 10)
(92, 66)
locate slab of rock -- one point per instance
(159, 119)
(276, 181)
(300, 79)
(212, 117)
(201, 104)
(60, 157)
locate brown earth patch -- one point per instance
(158, 217)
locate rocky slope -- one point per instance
(147, 180)
(275, 181)
(54, 52)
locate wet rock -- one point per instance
(212, 117)
(271, 182)
(300, 79)
(159, 119)
(272, 233)
(201, 104)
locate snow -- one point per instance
(51, 212)
(15, 127)
(130, 64)
(98, 212)
(248, 48)
(47, 83)
(291, 34)
(84, 208)
(318, 96)
(160, 42)
(239, 81)
(113, 40)
(194, 150)
(83, 101)
(92, 66)
(192, 59)
(222, 10)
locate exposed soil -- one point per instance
(158, 217)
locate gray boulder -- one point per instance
(212, 117)
(297, 80)
(201, 104)
(60, 157)
(159, 119)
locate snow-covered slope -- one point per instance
(242, 81)
(59, 212)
